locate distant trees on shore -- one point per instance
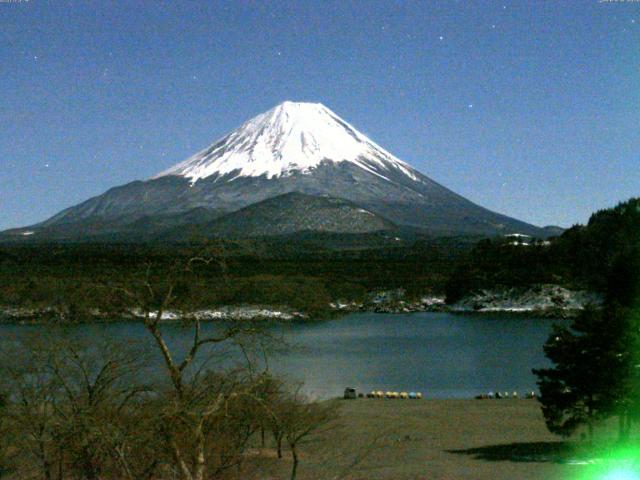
(66, 280)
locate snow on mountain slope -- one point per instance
(292, 137)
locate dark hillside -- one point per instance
(601, 256)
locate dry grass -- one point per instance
(438, 440)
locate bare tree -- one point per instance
(67, 403)
(198, 404)
(32, 395)
(273, 411)
(304, 420)
(295, 419)
(78, 408)
(98, 382)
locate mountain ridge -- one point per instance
(287, 214)
(294, 147)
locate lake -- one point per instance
(439, 354)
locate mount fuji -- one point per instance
(296, 167)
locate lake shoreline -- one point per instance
(541, 301)
(48, 316)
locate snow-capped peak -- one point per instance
(291, 137)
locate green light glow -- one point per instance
(621, 473)
(612, 464)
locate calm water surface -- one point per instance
(439, 354)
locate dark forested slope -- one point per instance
(603, 256)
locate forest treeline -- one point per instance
(600, 256)
(301, 275)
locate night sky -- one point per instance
(529, 108)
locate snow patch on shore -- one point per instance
(225, 313)
(249, 312)
(539, 298)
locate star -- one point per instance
(493, 26)
(470, 105)
(279, 53)
(441, 37)
(46, 165)
(35, 57)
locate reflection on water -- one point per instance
(439, 354)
